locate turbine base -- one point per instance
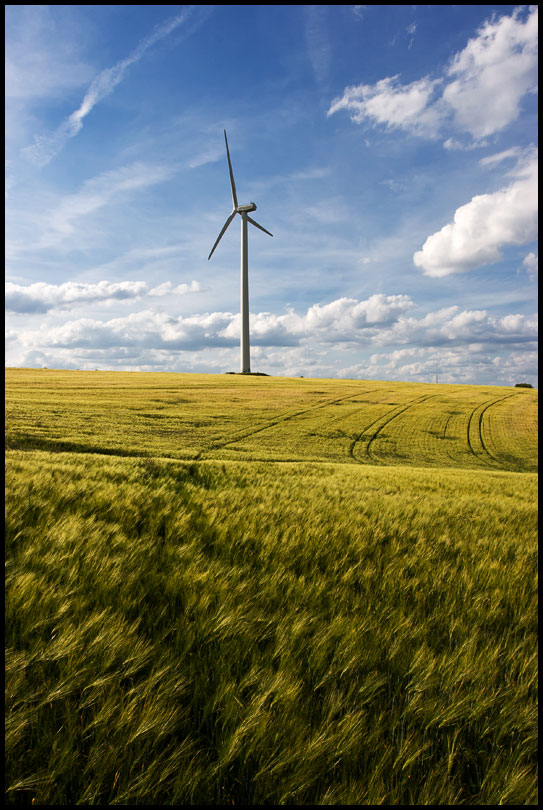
(249, 373)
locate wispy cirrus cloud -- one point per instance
(46, 147)
(317, 41)
(98, 191)
(56, 221)
(42, 58)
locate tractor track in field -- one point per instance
(479, 430)
(391, 416)
(272, 423)
(449, 417)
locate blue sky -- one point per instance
(391, 151)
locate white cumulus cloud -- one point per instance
(493, 73)
(392, 104)
(531, 263)
(449, 326)
(40, 297)
(479, 93)
(483, 226)
(460, 345)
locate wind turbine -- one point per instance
(243, 211)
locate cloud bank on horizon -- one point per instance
(405, 231)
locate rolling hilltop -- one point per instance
(200, 416)
(228, 590)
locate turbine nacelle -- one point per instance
(238, 209)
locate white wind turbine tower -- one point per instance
(243, 211)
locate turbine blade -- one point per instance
(234, 195)
(219, 237)
(249, 219)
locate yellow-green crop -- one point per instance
(195, 416)
(232, 590)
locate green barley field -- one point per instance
(233, 590)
